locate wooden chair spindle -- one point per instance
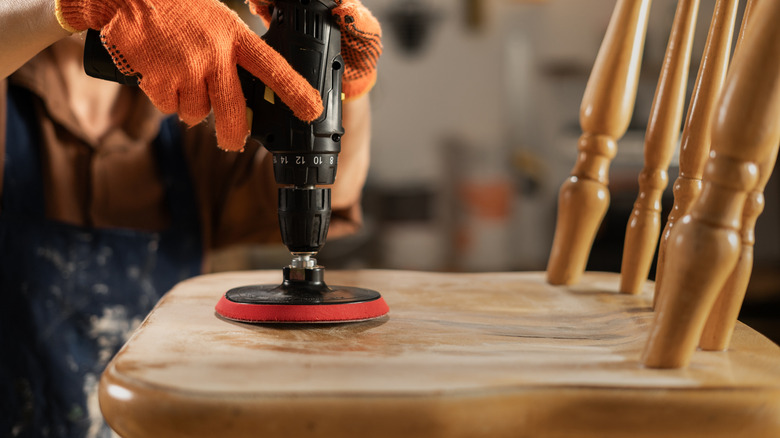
(705, 245)
(604, 117)
(723, 317)
(695, 141)
(663, 129)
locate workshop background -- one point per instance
(475, 128)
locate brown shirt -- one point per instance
(114, 182)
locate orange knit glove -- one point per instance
(186, 54)
(361, 42)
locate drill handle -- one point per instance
(305, 33)
(98, 62)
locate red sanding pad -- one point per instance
(277, 304)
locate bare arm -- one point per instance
(26, 28)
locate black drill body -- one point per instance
(305, 155)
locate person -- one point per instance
(106, 203)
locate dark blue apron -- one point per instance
(70, 295)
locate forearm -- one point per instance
(26, 28)
(355, 153)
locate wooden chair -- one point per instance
(459, 355)
(510, 354)
(703, 270)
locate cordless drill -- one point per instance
(305, 156)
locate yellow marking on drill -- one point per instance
(343, 96)
(249, 116)
(269, 95)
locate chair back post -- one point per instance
(695, 140)
(663, 130)
(723, 317)
(604, 117)
(705, 245)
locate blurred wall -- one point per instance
(476, 127)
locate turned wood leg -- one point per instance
(604, 116)
(723, 317)
(663, 129)
(705, 245)
(695, 140)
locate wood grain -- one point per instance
(605, 113)
(460, 355)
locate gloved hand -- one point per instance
(361, 42)
(186, 54)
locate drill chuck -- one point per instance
(304, 217)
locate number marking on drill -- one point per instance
(317, 160)
(300, 159)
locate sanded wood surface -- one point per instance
(458, 355)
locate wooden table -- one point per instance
(459, 355)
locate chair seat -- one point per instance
(494, 354)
